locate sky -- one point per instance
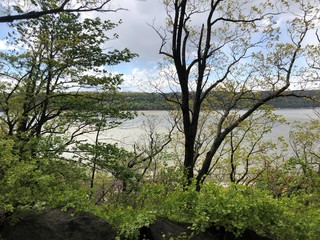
(136, 34)
(139, 37)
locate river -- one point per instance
(134, 131)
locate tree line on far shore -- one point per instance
(155, 101)
(143, 101)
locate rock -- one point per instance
(57, 225)
(163, 229)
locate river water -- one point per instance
(134, 131)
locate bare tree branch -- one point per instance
(59, 9)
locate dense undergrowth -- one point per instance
(35, 184)
(236, 208)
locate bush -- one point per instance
(236, 208)
(39, 182)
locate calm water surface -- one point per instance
(134, 131)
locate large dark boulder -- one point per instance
(163, 229)
(57, 225)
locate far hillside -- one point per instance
(154, 101)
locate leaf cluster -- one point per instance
(35, 183)
(235, 208)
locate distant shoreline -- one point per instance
(139, 101)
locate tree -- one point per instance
(245, 153)
(99, 155)
(150, 150)
(35, 9)
(304, 142)
(54, 87)
(233, 48)
(46, 81)
(299, 173)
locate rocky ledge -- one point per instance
(55, 224)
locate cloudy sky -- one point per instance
(139, 37)
(135, 34)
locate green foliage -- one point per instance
(59, 56)
(108, 157)
(286, 180)
(298, 174)
(39, 182)
(236, 208)
(301, 218)
(128, 220)
(142, 207)
(153, 101)
(305, 140)
(245, 153)
(145, 101)
(47, 107)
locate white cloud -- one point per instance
(151, 80)
(134, 32)
(137, 81)
(5, 46)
